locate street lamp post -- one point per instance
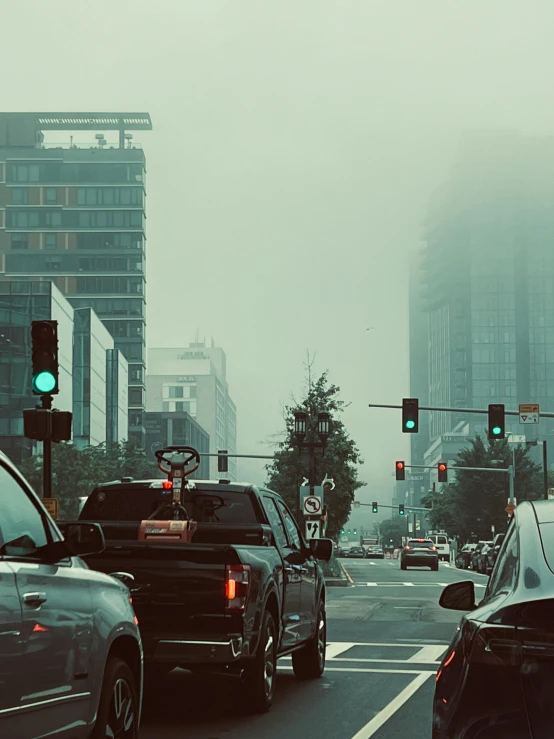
(322, 435)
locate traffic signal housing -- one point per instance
(222, 460)
(497, 426)
(410, 415)
(44, 339)
(442, 471)
(401, 511)
(400, 470)
(375, 508)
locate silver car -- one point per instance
(71, 660)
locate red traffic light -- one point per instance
(442, 467)
(442, 471)
(400, 465)
(400, 471)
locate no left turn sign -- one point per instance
(312, 505)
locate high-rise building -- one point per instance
(194, 380)
(178, 428)
(488, 279)
(95, 397)
(74, 213)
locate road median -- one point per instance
(336, 575)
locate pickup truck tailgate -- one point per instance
(178, 587)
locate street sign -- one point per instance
(529, 413)
(51, 505)
(313, 530)
(312, 505)
(307, 492)
(510, 508)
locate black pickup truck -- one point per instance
(245, 591)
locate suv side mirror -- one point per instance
(84, 538)
(322, 549)
(460, 596)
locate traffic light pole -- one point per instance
(456, 410)
(47, 454)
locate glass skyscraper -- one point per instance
(74, 214)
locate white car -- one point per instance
(71, 661)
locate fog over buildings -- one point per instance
(295, 150)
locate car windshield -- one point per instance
(420, 544)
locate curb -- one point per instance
(350, 580)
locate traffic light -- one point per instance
(44, 338)
(496, 428)
(222, 460)
(442, 470)
(401, 509)
(410, 415)
(342, 531)
(355, 531)
(375, 508)
(400, 471)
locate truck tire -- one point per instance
(118, 709)
(308, 662)
(259, 686)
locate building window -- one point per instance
(20, 241)
(176, 392)
(51, 241)
(25, 173)
(135, 396)
(53, 264)
(165, 407)
(20, 196)
(54, 218)
(51, 196)
(179, 407)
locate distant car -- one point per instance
(419, 553)
(492, 553)
(463, 559)
(496, 678)
(376, 552)
(356, 553)
(476, 554)
(71, 653)
(481, 564)
(343, 552)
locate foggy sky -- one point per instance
(295, 147)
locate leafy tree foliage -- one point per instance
(339, 461)
(76, 472)
(476, 501)
(393, 528)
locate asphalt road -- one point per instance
(386, 636)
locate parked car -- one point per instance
(492, 553)
(481, 560)
(497, 678)
(245, 591)
(69, 635)
(463, 559)
(419, 553)
(343, 552)
(375, 552)
(475, 555)
(356, 553)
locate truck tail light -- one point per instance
(237, 588)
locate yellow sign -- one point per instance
(51, 505)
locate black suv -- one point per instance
(419, 553)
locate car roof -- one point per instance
(544, 510)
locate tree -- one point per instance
(76, 472)
(476, 500)
(339, 461)
(393, 528)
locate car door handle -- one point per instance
(34, 599)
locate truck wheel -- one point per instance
(260, 675)
(118, 709)
(308, 663)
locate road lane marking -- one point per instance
(426, 673)
(409, 584)
(374, 724)
(336, 648)
(427, 655)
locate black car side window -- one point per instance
(294, 536)
(275, 520)
(22, 529)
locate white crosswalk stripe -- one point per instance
(408, 584)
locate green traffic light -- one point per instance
(44, 382)
(497, 430)
(410, 424)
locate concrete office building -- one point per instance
(487, 276)
(74, 213)
(194, 380)
(95, 364)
